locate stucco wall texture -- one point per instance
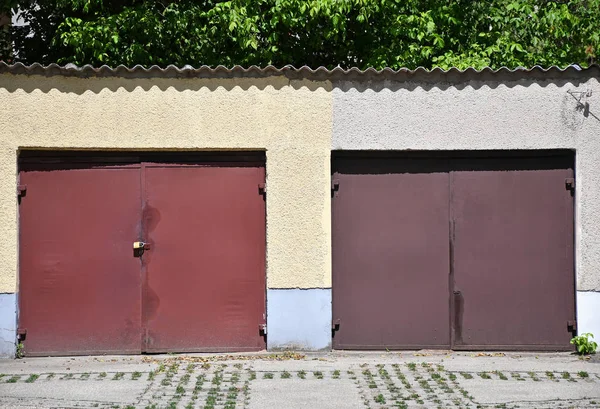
(291, 120)
(476, 115)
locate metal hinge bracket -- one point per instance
(570, 184)
(335, 185)
(262, 189)
(335, 324)
(262, 328)
(21, 190)
(572, 325)
(21, 333)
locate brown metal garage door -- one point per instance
(199, 283)
(390, 253)
(481, 243)
(513, 253)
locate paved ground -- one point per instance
(334, 380)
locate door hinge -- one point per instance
(21, 333)
(570, 184)
(262, 189)
(21, 190)
(572, 325)
(335, 324)
(262, 328)
(335, 185)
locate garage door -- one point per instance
(465, 250)
(514, 282)
(196, 281)
(390, 248)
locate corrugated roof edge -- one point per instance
(320, 74)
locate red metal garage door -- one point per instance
(513, 253)
(479, 241)
(79, 284)
(204, 275)
(200, 283)
(390, 253)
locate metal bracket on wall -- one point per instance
(570, 184)
(335, 185)
(335, 324)
(21, 190)
(262, 190)
(572, 326)
(21, 333)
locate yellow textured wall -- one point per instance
(291, 120)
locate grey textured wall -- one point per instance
(476, 115)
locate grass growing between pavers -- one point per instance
(500, 375)
(215, 395)
(198, 386)
(401, 376)
(32, 378)
(197, 389)
(433, 386)
(567, 376)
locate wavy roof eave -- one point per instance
(304, 72)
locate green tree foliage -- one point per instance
(346, 33)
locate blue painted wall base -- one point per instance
(299, 319)
(8, 325)
(588, 313)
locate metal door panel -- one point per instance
(204, 274)
(513, 254)
(390, 253)
(79, 283)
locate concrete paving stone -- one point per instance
(76, 364)
(296, 393)
(511, 391)
(376, 380)
(109, 391)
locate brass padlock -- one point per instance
(137, 245)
